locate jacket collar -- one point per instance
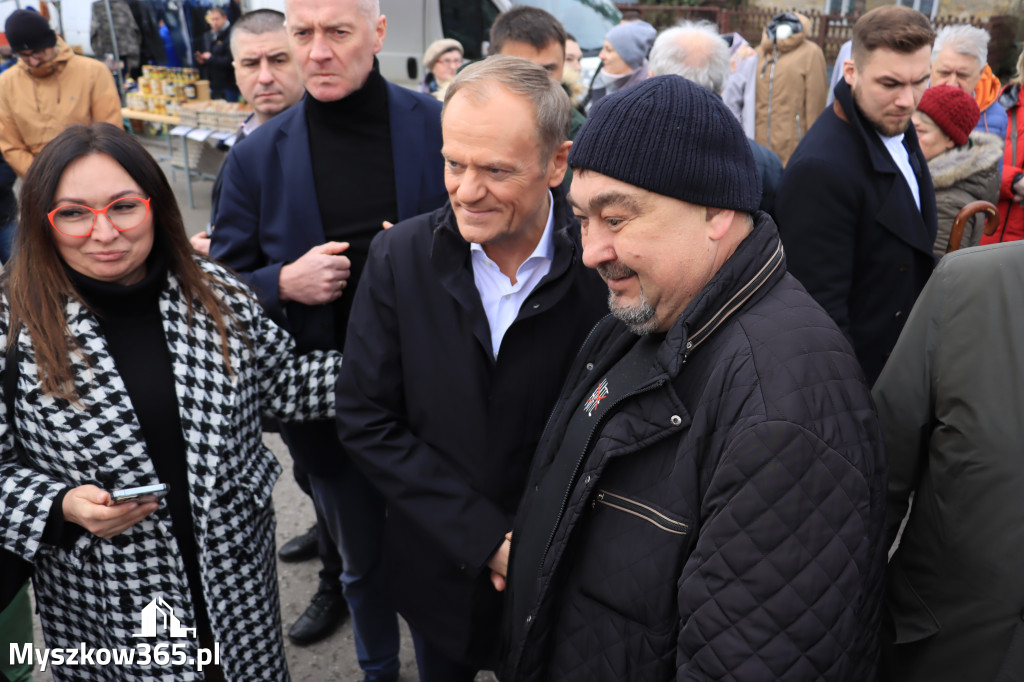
(450, 251)
(847, 111)
(1010, 96)
(897, 214)
(450, 257)
(757, 264)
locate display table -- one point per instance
(199, 162)
(150, 117)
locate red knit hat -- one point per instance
(953, 110)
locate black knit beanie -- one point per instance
(670, 136)
(28, 30)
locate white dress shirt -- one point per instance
(901, 155)
(501, 298)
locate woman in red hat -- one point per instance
(964, 163)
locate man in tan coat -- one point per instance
(779, 94)
(49, 89)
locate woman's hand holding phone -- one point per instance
(89, 507)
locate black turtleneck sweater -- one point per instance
(354, 171)
(129, 318)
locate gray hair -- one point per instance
(256, 23)
(551, 106)
(369, 8)
(695, 51)
(963, 39)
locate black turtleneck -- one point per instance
(354, 171)
(129, 317)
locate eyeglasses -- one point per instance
(26, 55)
(75, 220)
(450, 61)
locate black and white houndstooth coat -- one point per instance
(96, 592)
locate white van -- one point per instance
(414, 24)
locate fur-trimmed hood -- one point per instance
(973, 163)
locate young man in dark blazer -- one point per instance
(856, 206)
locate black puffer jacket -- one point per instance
(728, 521)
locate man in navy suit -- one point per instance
(856, 206)
(302, 199)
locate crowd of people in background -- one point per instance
(692, 368)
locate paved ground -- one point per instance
(333, 659)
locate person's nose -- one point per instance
(319, 51)
(597, 246)
(266, 75)
(905, 98)
(103, 229)
(471, 188)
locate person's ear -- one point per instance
(848, 71)
(558, 164)
(718, 221)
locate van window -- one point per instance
(469, 23)
(587, 20)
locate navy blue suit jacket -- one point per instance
(269, 214)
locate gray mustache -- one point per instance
(614, 271)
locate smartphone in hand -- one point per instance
(142, 493)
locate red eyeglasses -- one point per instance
(75, 220)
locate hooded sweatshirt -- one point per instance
(986, 93)
(37, 104)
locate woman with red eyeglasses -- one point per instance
(132, 362)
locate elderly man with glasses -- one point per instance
(50, 89)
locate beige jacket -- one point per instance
(790, 92)
(34, 109)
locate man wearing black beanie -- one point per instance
(49, 89)
(707, 500)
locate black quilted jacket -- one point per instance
(728, 523)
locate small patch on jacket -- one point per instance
(599, 394)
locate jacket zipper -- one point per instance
(649, 514)
(593, 329)
(579, 463)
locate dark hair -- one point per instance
(37, 283)
(900, 29)
(220, 10)
(257, 22)
(530, 25)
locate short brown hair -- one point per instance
(550, 103)
(900, 29)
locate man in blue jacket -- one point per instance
(461, 334)
(707, 501)
(301, 201)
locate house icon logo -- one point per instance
(158, 616)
